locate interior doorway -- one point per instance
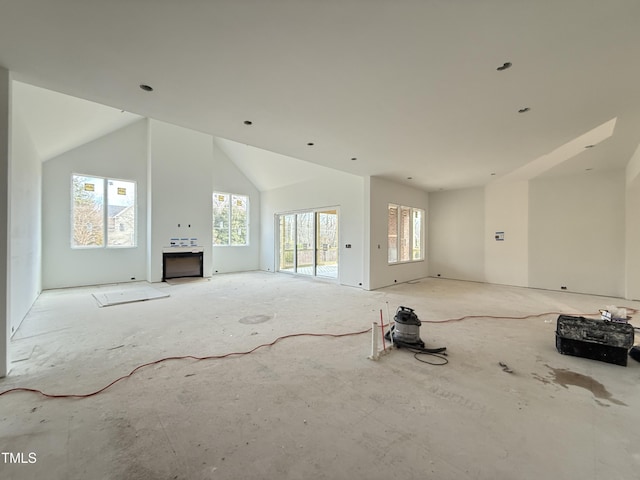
(308, 242)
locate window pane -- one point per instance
(221, 217)
(121, 213)
(327, 244)
(88, 214)
(393, 234)
(305, 243)
(405, 228)
(239, 219)
(287, 242)
(417, 235)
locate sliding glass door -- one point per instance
(327, 243)
(308, 243)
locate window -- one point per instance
(405, 234)
(230, 219)
(103, 212)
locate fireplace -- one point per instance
(180, 262)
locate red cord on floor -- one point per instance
(209, 357)
(214, 357)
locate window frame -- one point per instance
(407, 234)
(105, 212)
(247, 224)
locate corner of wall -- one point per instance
(5, 116)
(632, 228)
(366, 267)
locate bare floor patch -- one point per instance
(253, 319)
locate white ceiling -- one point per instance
(58, 123)
(268, 170)
(408, 87)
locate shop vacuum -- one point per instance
(406, 332)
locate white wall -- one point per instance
(331, 189)
(121, 155)
(229, 179)
(25, 281)
(456, 246)
(559, 231)
(577, 232)
(507, 210)
(180, 186)
(632, 238)
(5, 95)
(380, 193)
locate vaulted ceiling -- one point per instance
(407, 88)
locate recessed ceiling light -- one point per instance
(504, 66)
(310, 144)
(589, 146)
(146, 88)
(524, 110)
(248, 122)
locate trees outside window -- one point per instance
(230, 219)
(103, 212)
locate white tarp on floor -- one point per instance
(129, 295)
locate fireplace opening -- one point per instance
(178, 264)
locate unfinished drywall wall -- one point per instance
(5, 122)
(228, 178)
(456, 247)
(121, 155)
(507, 217)
(330, 189)
(25, 220)
(380, 193)
(180, 186)
(632, 230)
(577, 232)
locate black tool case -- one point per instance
(595, 339)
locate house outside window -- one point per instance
(99, 205)
(230, 219)
(405, 227)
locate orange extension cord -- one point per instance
(216, 357)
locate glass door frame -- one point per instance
(315, 246)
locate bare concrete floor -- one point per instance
(314, 407)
